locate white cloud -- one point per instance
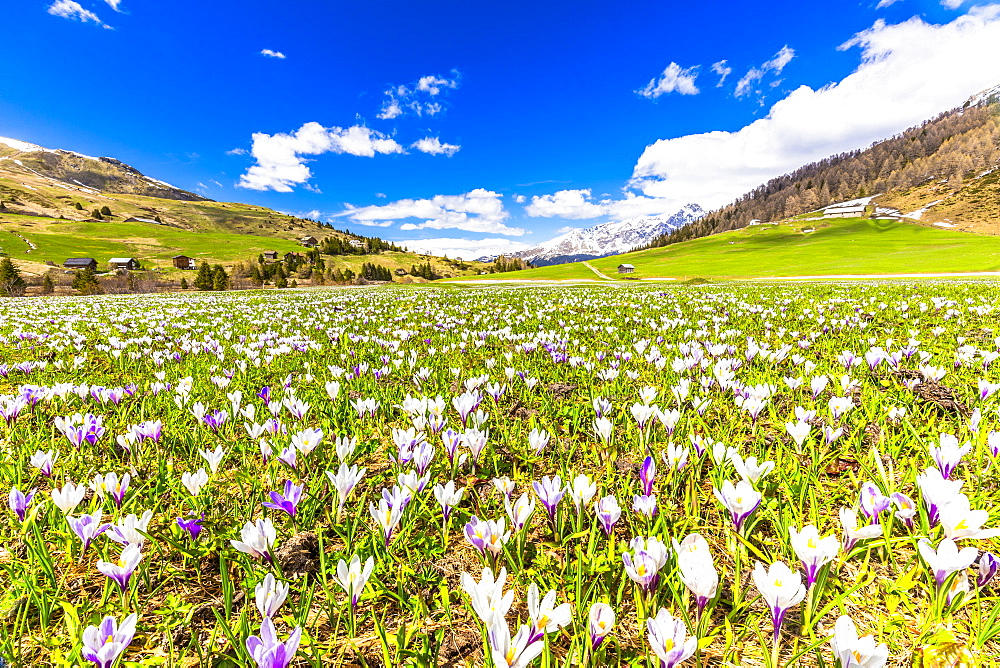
(68, 9)
(434, 146)
(722, 70)
(571, 204)
(280, 164)
(416, 98)
(467, 249)
(909, 72)
(885, 3)
(952, 4)
(272, 54)
(433, 85)
(237, 151)
(520, 199)
(564, 230)
(673, 79)
(113, 4)
(479, 210)
(776, 64)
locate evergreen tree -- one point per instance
(105, 211)
(11, 283)
(184, 283)
(85, 282)
(48, 287)
(79, 207)
(96, 214)
(255, 276)
(203, 281)
(220, 279)
(157, 219)
(281, 281)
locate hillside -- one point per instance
(846, 246)
(51, 203)
(941, 171)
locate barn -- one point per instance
(80, 263)
(117, 263)
(626, 268)
(184, 262)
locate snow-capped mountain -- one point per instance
(608, 238)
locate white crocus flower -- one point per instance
(194, 481)
(854, 652)
(214, 457)
(69, 497)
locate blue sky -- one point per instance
(468, 127)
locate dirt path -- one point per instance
(595, 270)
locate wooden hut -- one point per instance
(626, 268)
(184, 262)
(120, 263)
(80, 263)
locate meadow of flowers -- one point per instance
(563, 476)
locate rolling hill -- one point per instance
(834, 247)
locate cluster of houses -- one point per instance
(114, 264)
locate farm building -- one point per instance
(625, 268)
(309, 242)
(184, 262)
(844, 212)
(270, 255)
(80, 263)
(357, 243)
(129, 263)
(401, 272)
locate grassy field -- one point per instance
(850, 246)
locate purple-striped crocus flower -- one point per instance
(19, 502)
(215, 419)
(121, 571)
(353, 577)
(267, 651)
(873, 502)
(740, 499)
(87, 527)
(288, 501)
(104, 643)
(44, 461)
(988, 565)
(608, 512)
(647, 474)
(550, 492)
(601, 621)
(781, 588)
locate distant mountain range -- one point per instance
(608, 238)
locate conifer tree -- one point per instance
(48, 287)
(11, 283)
(203, 281)
(220, 279)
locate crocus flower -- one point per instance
(104, 643)
(873, 502)
(550, 492)
(307, 440)
(267, 651)
(676, 456)
(345, 447)
(516, 652)
(504, 485)
(959, 588)
(269, 594)
(192, 526)
(475, 440)
(288, 456)
(545, 616)
(87, 527)
(19, 502)
(44, 461)
(813, 550)
(344, 481)
(110, 484)
(781, 589)
(538, 440)
(988, 565)
(740, 499)
(799, 431)
(520, 511)
(906, 508)
(749, 470)
(487, 596)
(69, 497)
(604, 428)
(937, 491)
(257, 539)
(643, 564)
(448, 497)
(668, 637)
(130, 531)
(947, 559)
(582, 492)
(948, 454)
(644, 505)
(193, 482)
(121, 571)
(288, 501)
(608, 511)
(959, 520)
(353, 577)
(487, 536)
(647, 474)
(601, 620)
(696, 569)
(853, 532)
(386, 517)
(854, 652)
